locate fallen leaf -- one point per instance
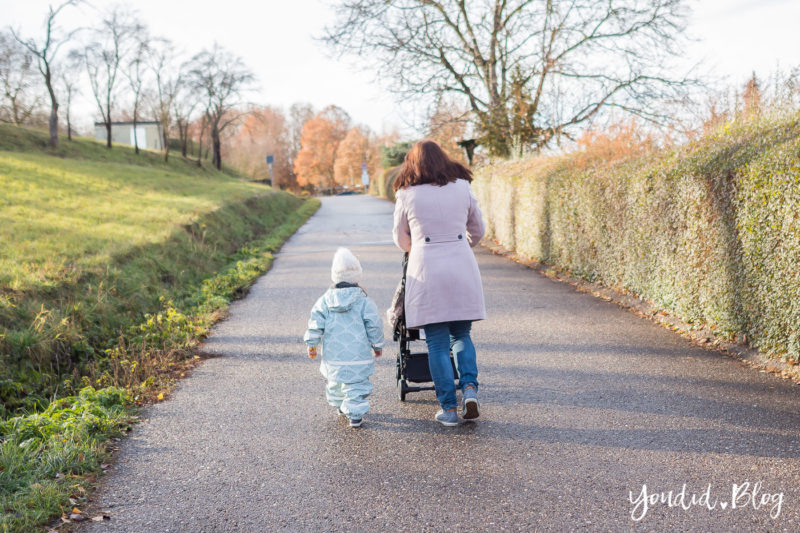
(104, 466)
(160, 395)
(77, 517)
(75, 510)
(100, 518)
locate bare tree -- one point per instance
(299, 114)
(221, 78)
(168, 80)
(135, 70)
(112, 42)
(69, 83)
(447, 125)
(45, 52)
(573, 58)
(183, 108)
(17, 81)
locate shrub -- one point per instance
(395, 154)
(384, 186)
(709, 231)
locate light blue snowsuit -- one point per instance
(351, 327)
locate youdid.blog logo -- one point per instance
(741, 496)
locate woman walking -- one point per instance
(437, 220)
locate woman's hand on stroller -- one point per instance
(312, 352)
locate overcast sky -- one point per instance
(275, 38)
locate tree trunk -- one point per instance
(69, 125)
(200, 148)
(135, 136)
(183, 133)
(53, 122)
(216, 148)
(165, 140)
(15, 109)
(108, 131)
(54, 126)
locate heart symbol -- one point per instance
(723, 504)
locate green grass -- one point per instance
(44, 458)
(112, 267)
(59, 217)
(92, 240)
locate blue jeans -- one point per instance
(441, 339)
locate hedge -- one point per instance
(384, 185)
(708, 231)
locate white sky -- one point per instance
(274, 37)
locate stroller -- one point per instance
(412, 366)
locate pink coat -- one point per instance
(438, 225)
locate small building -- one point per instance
(148, 134)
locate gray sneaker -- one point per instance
(470, 396)
(447, 418)
(355, 422)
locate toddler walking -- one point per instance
(349, 327)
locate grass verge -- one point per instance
(112, 267)
(48, 459)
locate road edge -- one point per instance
(701, 336)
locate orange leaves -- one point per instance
(263, 132)
(619, 141)
(319, 141)
(354, 150)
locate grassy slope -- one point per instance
(93, 239)
(78, 211)
(112, 266)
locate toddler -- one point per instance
(347, 323)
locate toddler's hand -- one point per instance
(378, 352)
(312, 352)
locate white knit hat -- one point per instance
(345, 267)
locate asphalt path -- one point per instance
(582, 403)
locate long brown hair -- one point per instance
(426, 162)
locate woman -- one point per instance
(437, 220)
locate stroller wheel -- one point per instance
(401, 389)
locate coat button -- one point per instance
(427, 239)
(459, 235)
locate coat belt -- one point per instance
(435, 239)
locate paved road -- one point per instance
(582, 402)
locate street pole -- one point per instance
(270, 160)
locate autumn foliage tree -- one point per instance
(264, 131)
(319, 140)
(354, 151)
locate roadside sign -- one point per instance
(270, 159)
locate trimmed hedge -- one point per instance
(383, 186)
(709, 231)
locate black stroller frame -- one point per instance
(412, 366)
